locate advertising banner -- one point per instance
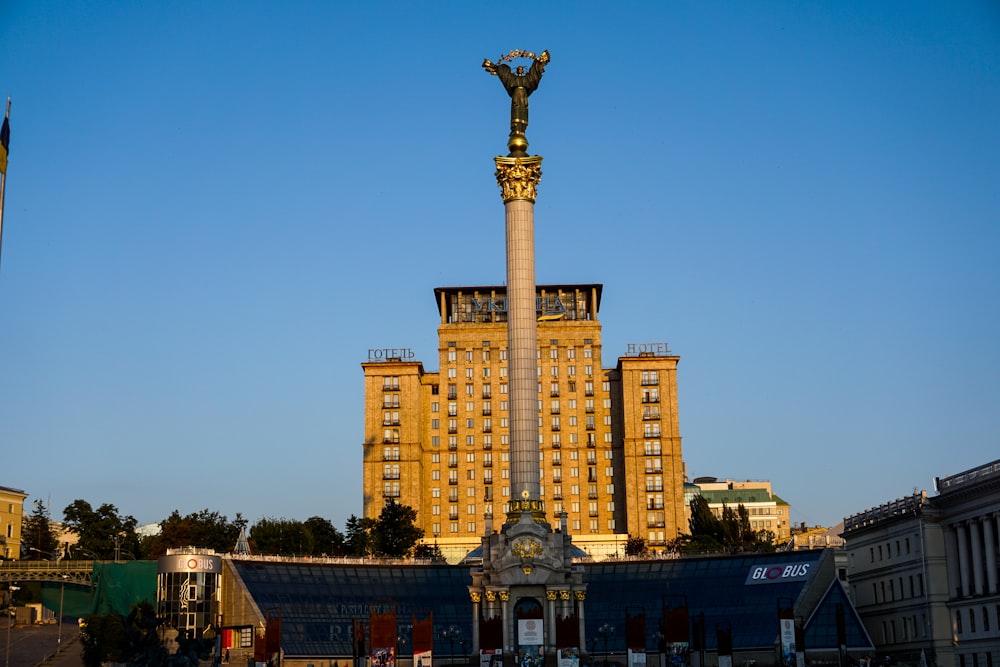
(636, 658)
(423, 659)
(492, 657)
(787, 641)
(529, 631)
(568, 657)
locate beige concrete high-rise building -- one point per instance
(609, 440)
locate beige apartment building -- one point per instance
(11, 513)
(609, 440)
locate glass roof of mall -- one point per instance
(320, 601)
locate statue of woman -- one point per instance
(519, 85)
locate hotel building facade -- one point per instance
(609, 440)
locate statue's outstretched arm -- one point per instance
(489, 67)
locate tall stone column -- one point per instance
(518, 178)
(963, 559)
(977, 558)
(989, 539)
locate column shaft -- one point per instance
(963, 559)
(522, 346)
(977, 557)
(990, 542)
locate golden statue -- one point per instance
(519, 85)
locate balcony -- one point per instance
(557, 496)
(452, 412)
(452, 430)
(394, 456)
(453, 482)
(557, 462)
(651, 417)
(487, 412)
(452, 464)
(390, 422)
(591, 496)
(487, 395)
(591, 444)
(390, 387)
(390, 405)
(554, 411)
(651, 399)
(488, 464)
(591, 427)
(555, 427)
(556, 445)
(654, 471)
(656, 524)
(390, 441)
(452, 446)
(390, 493)
(654, 489)
(390, 475)
(588, 392)
(452, 395)
(654, 506)
(594, 514)
(554, 394)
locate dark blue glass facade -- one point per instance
(319, 602)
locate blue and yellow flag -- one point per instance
(4, 144)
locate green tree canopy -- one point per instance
(327, 540)
(395, 532)
(283, 537)
(103, 533)
(358, 539)
(731, 532)
(205, 529)
(38, 540)
(635, 546)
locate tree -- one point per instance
(280, 537)
(358, 539)
(38, 540)
(705, 526)
(635, 546)
(395, 532)
(326, 539)
(431, 552)
(209, 530)
(103, 533)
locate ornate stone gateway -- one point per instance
(528, 598)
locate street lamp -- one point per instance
(606, 631)
(62, 594)
(660, 645)
(10, 605)
(451, 633)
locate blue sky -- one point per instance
(214, 209)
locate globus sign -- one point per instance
(189, 563)
(777, 573)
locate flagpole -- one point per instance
(3, 182)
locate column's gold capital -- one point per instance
(518, 177)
